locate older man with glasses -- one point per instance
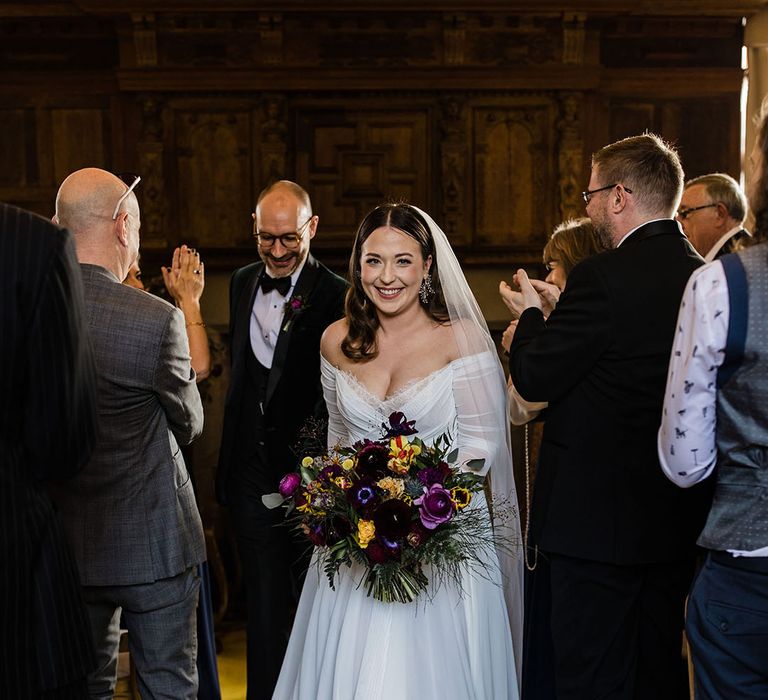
(279, 308)
(712, 212)
(131, 513)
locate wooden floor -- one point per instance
(231, 665)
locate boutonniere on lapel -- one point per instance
(293, 308)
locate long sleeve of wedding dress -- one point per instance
(337, 433)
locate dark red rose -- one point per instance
(376, 553)
(315, 533)
(393, 519)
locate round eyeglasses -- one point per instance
(287, 240)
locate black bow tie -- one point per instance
(281, 284)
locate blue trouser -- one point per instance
(727, 626)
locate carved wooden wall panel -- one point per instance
(350, 160)
(705, 132)
(486, 117)
(514, 147)
(213, 175)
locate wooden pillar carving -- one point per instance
(271, 34)
(571, 155)
(151, 149)
(574, 34)
(144, 40)
(273, 141)
(454, 39)
(455, 163)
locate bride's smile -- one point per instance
(392, 269)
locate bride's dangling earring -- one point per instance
(426, 290)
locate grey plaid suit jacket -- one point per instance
(131, 513)
(47, 432)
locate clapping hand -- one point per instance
(508, 336)
(185, 279)
(527, 293)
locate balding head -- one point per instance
(283, 209)
(85, 205)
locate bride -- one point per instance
(413, 340)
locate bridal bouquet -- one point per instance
(396, 506)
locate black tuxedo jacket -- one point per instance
(294, 391)
(601, 362)
(47, 432)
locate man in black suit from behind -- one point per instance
(279, 308)
(47, 432)
(620, 539)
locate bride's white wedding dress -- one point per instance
(447, 645)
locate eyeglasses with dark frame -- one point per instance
(130, 180)
(683, 214)
(288, 240)
(587, 194)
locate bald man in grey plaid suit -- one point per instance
(131, 513)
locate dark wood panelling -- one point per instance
(485, 114)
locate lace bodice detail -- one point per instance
(439, 402)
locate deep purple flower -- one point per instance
(329, 472)
(436, 506)
(372, 459)
(288, 484)
(362, 494)
(393, 519)
(338, 529)
(430, 475)
(398, 426)
(392, 547)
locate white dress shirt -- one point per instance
(266, 319)
(687, 437)
(715, 249)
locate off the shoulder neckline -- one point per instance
(406, 387)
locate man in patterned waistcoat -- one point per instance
(716, 415)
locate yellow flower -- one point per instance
(461, 497)
(348, 464)
(401, 454)
(307, 462)
(393, 487)
(342, 482)
(366, 531)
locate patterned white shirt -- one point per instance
(687, 437)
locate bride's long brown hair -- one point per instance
(359, 344)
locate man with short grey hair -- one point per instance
(131, 513)
(712, 213)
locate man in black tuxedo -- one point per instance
(279, 308)
(47, 433)
(619, 538)
(712, 212)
